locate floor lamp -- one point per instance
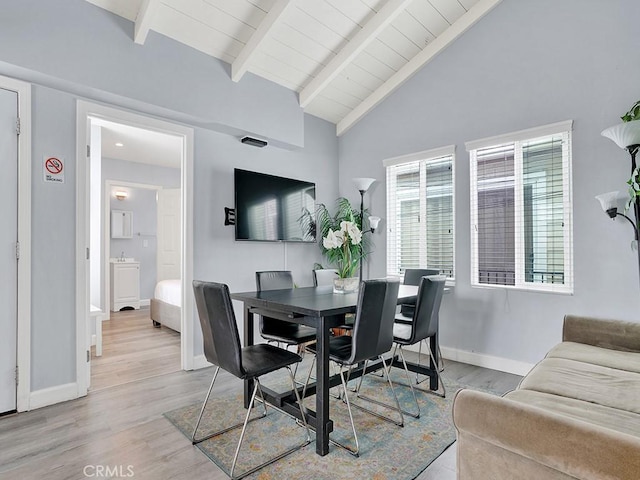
(625, 135)
(363, 184)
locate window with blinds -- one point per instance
(420, 208)
(521, 210)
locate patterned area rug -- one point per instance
(387, 452)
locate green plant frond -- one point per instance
(633, 113)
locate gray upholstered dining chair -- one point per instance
(412, 276)
(222, 348)
(272, 329)
(423, 326)
(324, 276)
(372, 338)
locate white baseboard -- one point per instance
(49, 396)
(487, 361)
(199, 361)
(145, 302)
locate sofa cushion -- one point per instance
(617, 359)
(585, 381)
(613, 418)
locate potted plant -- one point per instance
(342, 242)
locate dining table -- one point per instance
(323, 309)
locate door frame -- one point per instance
(23, 342)
(84, 110)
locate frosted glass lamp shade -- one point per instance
(363, 184)
(374, 222)
(624, 134)
(609, 201)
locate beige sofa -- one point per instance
(576, 415)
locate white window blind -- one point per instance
(521, 213)
(420, 208)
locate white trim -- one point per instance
(84, 111)
(241, 64)
(442, 41)
(367, 34)
(487, 361)
(200, 362)
(449, 150)
(49, 396)
(520, 135)
(144, 18)
(145, 302)
(23, 346)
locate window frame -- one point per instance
(420, 160)
(517, 139)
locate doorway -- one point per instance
(90, 117)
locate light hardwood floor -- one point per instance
(123, 425)
(133, 349)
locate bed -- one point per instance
(165, 304)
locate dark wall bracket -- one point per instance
(229, 216)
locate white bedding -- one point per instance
(169, 291)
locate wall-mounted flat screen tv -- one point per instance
(274, 209)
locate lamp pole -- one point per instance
(361, 229)
(633, 150)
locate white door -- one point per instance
(169, 233)
(8, 241)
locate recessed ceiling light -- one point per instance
(119, 144)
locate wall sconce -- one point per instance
(121, 195)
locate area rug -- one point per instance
(387, 452)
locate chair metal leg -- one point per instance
(440, 382)
(256, 389)
(195, 440)
(345, 398)
(377, 402)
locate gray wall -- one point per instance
(142, 202)
(525, 64)
(180, 84)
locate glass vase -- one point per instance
(346, 285)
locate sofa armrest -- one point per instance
(576, 448)
(612, 334)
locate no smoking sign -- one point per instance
(53, 169)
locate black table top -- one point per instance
(313, 301)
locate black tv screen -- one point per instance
(274, 209)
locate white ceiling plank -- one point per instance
(301, 42)
(451, 10)
(329, 16)
(413, 29)
(357, 11)
(342, 97)
(362, 77)
(428, 16)
(241, 63)
(289, 55)
(326, 109)
(374, 66)
(479, 10)
(341, 82)
(357, 44)
(241, 10)
(279, 69)
(398, 42)
(196, 34)
(315, 30)
(374, 5)
(285, 82)
(148, 10)
(386, 54)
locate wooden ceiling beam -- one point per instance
(144, 19)
(241, 64)
(442, 41)
(351, 50)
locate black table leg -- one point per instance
(322, 388)
(248, 340)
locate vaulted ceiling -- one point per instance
(343, 57)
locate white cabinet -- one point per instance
(125, 285)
